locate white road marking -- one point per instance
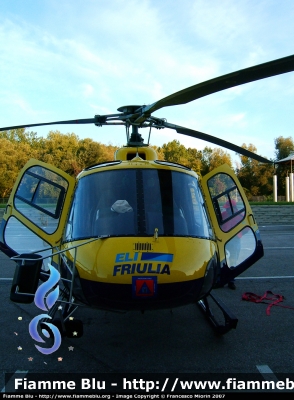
(267, 226)
(265, 277)
(277, 248)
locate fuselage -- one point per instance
(155, 246)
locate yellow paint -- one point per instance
(96, 260)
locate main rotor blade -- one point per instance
(257, 72)
(217, 141)
(73, 121)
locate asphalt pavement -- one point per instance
(169, 341)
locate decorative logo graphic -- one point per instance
(144, 287)
(45, 303)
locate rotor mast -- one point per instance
(135, 140)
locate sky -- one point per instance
(63, 60)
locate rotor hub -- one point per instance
(128, 109)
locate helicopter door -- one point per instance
(235, 227)
(36, 211)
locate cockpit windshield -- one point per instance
(137, 202)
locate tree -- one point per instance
(60, 150)
(13, 156)
(284, 147)
(213, 158)
(21, 136)
(71, 154)
(174, 152)
(255, 177)
(194, 160)
(88, 153)
(108, 152)
(159, 152)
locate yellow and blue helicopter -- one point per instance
(134, 233)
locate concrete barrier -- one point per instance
(274, 215)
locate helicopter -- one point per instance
(134, 233)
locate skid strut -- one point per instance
(230, 319)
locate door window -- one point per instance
(230, 211)
(39, 197)
(22, 240)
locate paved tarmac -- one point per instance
(169, 341)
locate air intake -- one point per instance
(143, 246)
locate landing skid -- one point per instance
(230, 319)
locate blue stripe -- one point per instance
(157, 257)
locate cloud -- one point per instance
(66, 60)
